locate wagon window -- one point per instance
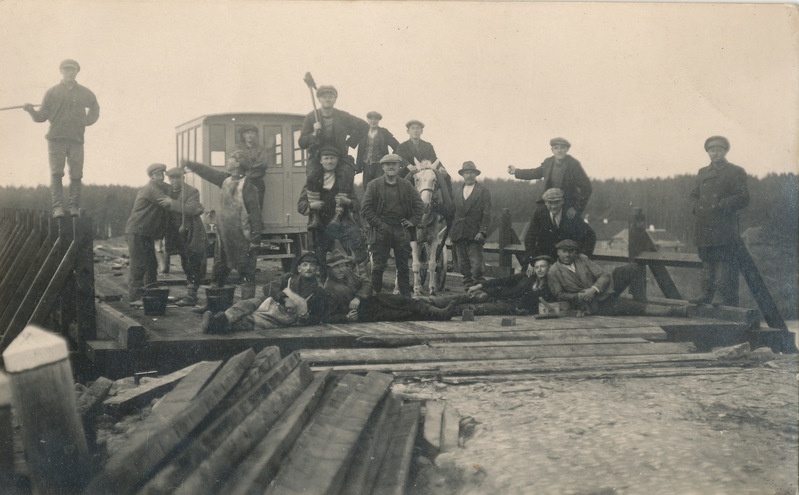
(217, 144)
(273, 141)
(300, 154)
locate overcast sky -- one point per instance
(635, 87)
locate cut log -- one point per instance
(433, 417)
(394, 472)
(264, 361)
(178, 398)
(91, 401)
(254, 473)
(450, 428)
(133, 398)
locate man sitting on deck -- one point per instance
(590, 289)
(293, 299)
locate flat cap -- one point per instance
(414, 122)
(540, 257)
(552, 194)
(391, 158)
(329, 149)
(248, 127)
(567, 244)
(374, 115)
(326, 89)
(155, 167)
(69, 63)
(307, 256)
(335, 258)
(560, 140)
(175, 172)
(717, 141)
(468, 166)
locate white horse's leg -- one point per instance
(415, 266)
(432, 247)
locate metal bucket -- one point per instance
(219, 298)
(154, 301)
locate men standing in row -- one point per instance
(146, 224)
(551, 225)
(469, 230)
(415, 149)
(329, 126)
(372, 147)
(392, 207)
(254, 159)
(562, 171)
(185, 233)
(69, 107)
(719, 194)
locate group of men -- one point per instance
(390, 212)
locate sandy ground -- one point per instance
(730, 432)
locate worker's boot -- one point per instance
(315, 217)
(215, 323)
(436, 314)
(190, 299)
(75, 187)
(57, 195)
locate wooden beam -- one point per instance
(450, 428)
(433, 418)
(395, 469)
(137, 397)
(129, 333)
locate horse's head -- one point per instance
(425, 179)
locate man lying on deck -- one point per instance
(590, 289)
(293, 299)
(351, 298)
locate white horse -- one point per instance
(430, 181)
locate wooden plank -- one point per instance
(394, 472)
(115, 325)
(317, 462)
(267, 358)
(564, 340)
(372, 448)
(450, 428)
(658, 372)
(254, 473)
(187, 389)
(216, 467)
(134, 463)
(133, 398)
(211, 437)
(424, 353)
(433, 418)
(92, 399)
(771, 313)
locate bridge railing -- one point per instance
(46, 275)
(643, 251)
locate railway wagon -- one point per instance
(210, 139)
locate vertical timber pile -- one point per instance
(44, 400)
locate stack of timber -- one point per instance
(261, 424)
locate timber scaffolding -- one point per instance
(48, 278)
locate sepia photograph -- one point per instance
(399, 247)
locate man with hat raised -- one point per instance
(415, 148)
(333, 127)
(564, 172)
(372, 147)
(334, 203)
(720, 192)
(393, 208)
(146, 224)
(69, 107)
(592, 290)
(469, 230)
(185, 233)
(551, 225)
(255, 158)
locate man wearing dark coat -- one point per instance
(255, 158)
(564, 172)
(329, 126)
(372, 147)
(414, 148)
(146, 224)
(550, 225)
(472, 203)
(719, 194)
(392, 207)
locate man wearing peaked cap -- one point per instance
(719, 194)
(146, 224)
(372, 146)
(329, 126)
(564, 172)
(255, 158)
(415, 148)
(70, 108)
(472, 204)
(551, 225)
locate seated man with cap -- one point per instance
(592, 290)
(564, 172)
(185, 234)
(334, 127)
(333, 200)
(415, 148)
(372, 147)
(350, 298)
(472, 202)
(146, 224)
(293, 299)
(551, 225)
(238, 222)
(255, 158)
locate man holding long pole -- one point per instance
(69, 107)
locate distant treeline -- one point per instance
(774, 204)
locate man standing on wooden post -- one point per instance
(719, 193)
(69, 107)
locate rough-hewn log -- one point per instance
(394, 472)
(133, 398)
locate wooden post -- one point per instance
(84, 285)
(44, 400)
(6, 433)
(505, 238)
